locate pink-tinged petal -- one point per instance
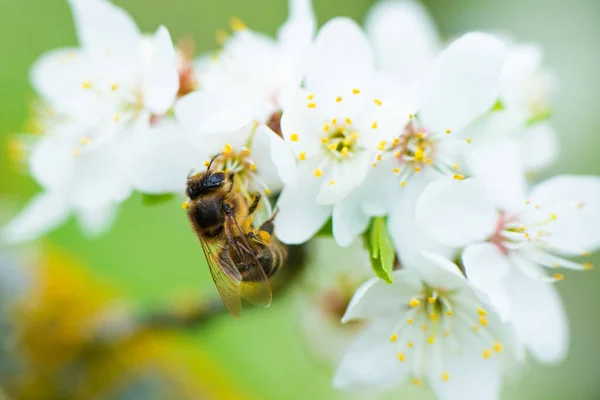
(41, 215)
(339, 40)
(106, 29)
(300, 216)
(456, 213)
(536, 311)
(160, 82)
(371, 360)
(464, 82)
(404, 37)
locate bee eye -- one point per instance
(216, 179)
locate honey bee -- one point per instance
(240, 258)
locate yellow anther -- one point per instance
(374, 165)
(553, 216)
(468, 140)
(417, 382)
(403, 183)
(246, 151)
(184, 205)
(527, 202)
(395, 142)
(86, 85)
(375, 125)
(381, 145)
(294, 137)
(431, 340)
(312, 105)
(449, 313)
(347, 141)
(433, 316)
(338, 99)
(221, 37)
(324, 140)
(417, 169)
(537, 206)
(398, 154)
(559, 277)
(333, 146)
(355, 91)
(354, 136)
(414, 303)
(348, 121)
(237, 24)
(410, 116)
(393, 338)
(409, 344)
(267, 192)
(580, 205)
(302, 155)
(483, 321)
(378, 102)
(588, 266)
(445, 376)
(206, 163)
(344, 151)
(326, 127)
(475, 328)
(420, 135)
(419, 154)
(114, 86)
(409, 321)
(497, 347)
(458, 177)
(252, 167)
(265, 236)
(227, 149)
(455, 167)
(334, 121)
(317, 172)
(428, 161)
(481, 312)
(75, 151)
(310, 96)
(424, 327)
(84, 140)
(396, 170)
(331, 183)
(431, 300)
(486, 353)
(401, 357)
(448, 131)
(117, 117)
(379, 157)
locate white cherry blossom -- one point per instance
(430, 328)
(98, 96)
(511, 244)
(335, 127)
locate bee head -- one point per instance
(208, 182)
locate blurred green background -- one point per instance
(152, 257)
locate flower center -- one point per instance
(340, 140)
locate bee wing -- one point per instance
(254, 286)
(225, 276)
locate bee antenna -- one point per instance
(191, 172)
(212, 160)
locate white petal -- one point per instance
(463, 82)
(540, 146)
(349, 221)
(42, 214)
(95, 222)
(339, 40)
(160, 82)
(51, 162)
(371, 360)
(536, 311)
(404, 37)
(486, 267)
(576, 202)
(279, 152)
(105, 28)
(343, 177)
(456, 213)
(300, 216)
(162, 159)
(212, 112)
(299, 29)
(499, 166)
(376, 298)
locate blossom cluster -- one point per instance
(385, 133)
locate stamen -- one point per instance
(486, 353)
(302, 155)
(401, 357)
(393, 338)
(468, 140)
(294, 137)
(237, 24)
(338, 99)
(348, 121)
(310, 96)
(378, 102)
(84, 140)
(375, 125)
(312, 105)
(86, 85)
(355, 91)
(331, 183)
(445, 376)
(227, 149)
(184, 205)
(414, 303)
(317, 172)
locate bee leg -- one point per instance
(231, 176)
(254, 205)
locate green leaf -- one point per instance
(154, 199)
(381, 249)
